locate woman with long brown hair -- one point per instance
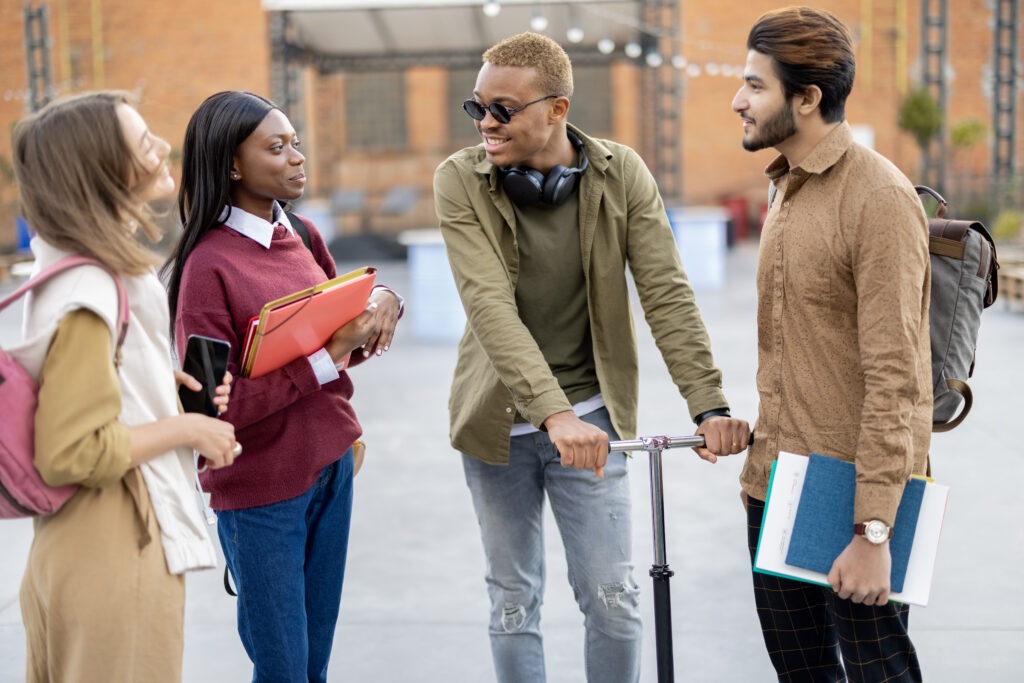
(103, 594)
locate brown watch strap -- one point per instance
(860, 529)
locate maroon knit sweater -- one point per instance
(289, 426)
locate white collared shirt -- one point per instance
(261, 231)
(257, 229)
(580, 409)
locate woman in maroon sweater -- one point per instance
(283, 510)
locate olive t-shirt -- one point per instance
(551, 294)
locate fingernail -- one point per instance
(366, 353)
(386, 348)
(379, 352)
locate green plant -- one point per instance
(967, 133)
(8, 207)
(6, 169)
(1008, 224)
(921, 116)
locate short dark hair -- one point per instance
(808, 47)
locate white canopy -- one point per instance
(353, 32)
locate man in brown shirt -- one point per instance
(843, 350)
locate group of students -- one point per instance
(540, 222)
(103, 593)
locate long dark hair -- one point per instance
(220, 124)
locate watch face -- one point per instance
(876, 531)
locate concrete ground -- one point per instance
(415, 608)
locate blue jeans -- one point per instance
(288, 563)
(593, 517)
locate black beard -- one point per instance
(775, 130)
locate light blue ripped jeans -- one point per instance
(593, 516)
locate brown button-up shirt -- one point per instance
(844, 359)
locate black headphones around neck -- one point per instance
(527, 186)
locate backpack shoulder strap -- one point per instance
(67, 263)
(299, 228)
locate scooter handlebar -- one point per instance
(660, 443)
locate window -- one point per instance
(591, 109)
(375, 110)
(461, 131)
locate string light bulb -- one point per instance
(538, 22)
(491, 8)
(633, 49)
(606, 46)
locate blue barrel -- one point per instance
(701, 237)
(24, 234)
(437, 313)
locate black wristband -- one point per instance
(716, 412)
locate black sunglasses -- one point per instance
(500, 112)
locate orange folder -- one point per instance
(301, 323)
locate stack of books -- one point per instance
(808, 522)
(301, 323)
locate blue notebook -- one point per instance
(824, 518)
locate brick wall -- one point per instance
(170, 54)
(175, 54)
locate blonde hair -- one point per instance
(554, 70)
(75, 173)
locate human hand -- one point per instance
(580, 444)
(223, 394)
(388, 309)
(212, 438)
(861, 572)
(183, 379)
(353, 334)
(722, 436)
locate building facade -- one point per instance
(373, 133)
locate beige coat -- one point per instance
(97, 600)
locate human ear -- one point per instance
(808, 100)
(559, 108)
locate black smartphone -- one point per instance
(207, 360)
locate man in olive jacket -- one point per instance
(540, 222)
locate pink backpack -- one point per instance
(23, 493)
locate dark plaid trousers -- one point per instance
(813, 636)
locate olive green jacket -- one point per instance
(500, 369)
